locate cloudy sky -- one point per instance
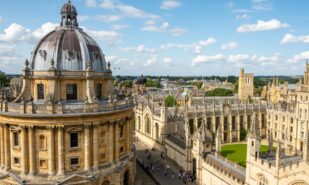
(170, 37)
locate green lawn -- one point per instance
(237, 152)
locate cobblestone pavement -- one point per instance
(171, 177)
(142, 178)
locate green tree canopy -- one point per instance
(170, 101)
(219, 92)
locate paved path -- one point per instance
(157, 161)
(142, 178)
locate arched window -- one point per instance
(261, 179)
(157, 131)
(42, 142)
(139, 123)
(147, 124)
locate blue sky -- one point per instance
(170, 37)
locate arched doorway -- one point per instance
(126, 178)
(106, 182)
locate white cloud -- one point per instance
(108, 4)
(261, 5)
(120, 26)
(111, 58)
(150, 22)
(109, 18)
(150, 61)
(178, 31)
(153, 28)
(111, 37)
(7, 50)
(230, 45)
(170, 4)
(82, 18)
(15, 33)
(208, 58)
(91, 3)
(238, 58)
(167, 60)
(242, 16)
(301, 56)
(127, 10)
(289, 38)
(261, 25)
(196, 47)
(203, 43)
(44, 29)
(131, 11)
(139, 49)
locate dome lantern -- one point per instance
(68, 15)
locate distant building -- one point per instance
(245, 85)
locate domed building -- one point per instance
(67, 125)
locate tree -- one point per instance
(149, 82)
(219, 92)
(199, 84)
(243, 134)
(170, 101)
(4, 80)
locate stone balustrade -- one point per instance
(65, 107)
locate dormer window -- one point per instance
(70, 55)
(43, 54)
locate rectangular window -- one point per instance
(43, 163)
(121, 149)
(16, 139)
(71, 92)
(102, 156)
(40, 88)
(74, 140)
(74, 161)
(16, 160)
(99, 91)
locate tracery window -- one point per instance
(262, 180)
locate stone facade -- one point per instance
(66, 126)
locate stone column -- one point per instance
(32, 161)
(24, 157)
(87, 148)
(60, 152)
(51, 152)
(238, 127)
(7, 148)
(111, 142)
(2, 145)
(95, 147)
(117, 141)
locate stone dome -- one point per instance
(68, 48)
